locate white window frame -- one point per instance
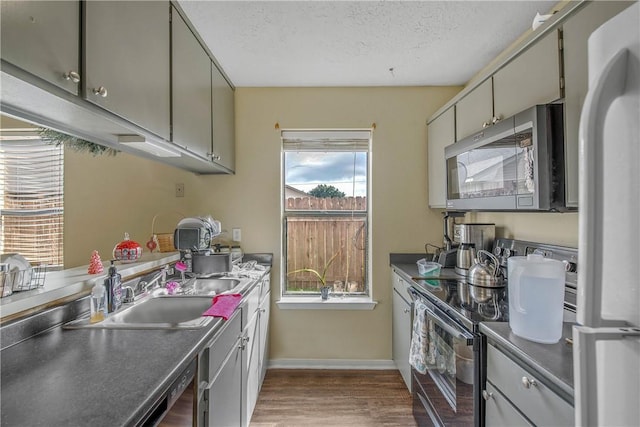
(314, 301)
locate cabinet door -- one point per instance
(224, 150)
(531, 78)
(225, 392)
(191, 102)
(499, 412)
(43, 38)
(576, 32)
(127, 67)
(251, 369)
(440, 133)
(474, 110)
(402, 336)
(265, 311)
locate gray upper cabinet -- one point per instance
(127, 61)
(191, 76)
(475, 110)
(43, 38)
(440, 133)
(576, 32)
(533, 77)
(224, 152)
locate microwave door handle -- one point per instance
(495, 133)
(450, 329)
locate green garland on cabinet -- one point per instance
(51, 136)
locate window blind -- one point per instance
(32, 200)
(344, 140)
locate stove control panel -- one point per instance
(505, 248)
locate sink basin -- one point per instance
(214, 286)
(156, 312)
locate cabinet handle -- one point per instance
(263, 310)
(486, 125)
(213, 156)
(101, 91)
(73, 76)
(486, 395)
(529, 382)
(406, 310)
(495, 119)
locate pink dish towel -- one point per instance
(223, 305)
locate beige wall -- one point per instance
(108, 196)
(401, 220)
(553, 228)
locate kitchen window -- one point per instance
(325, 212)
(31, 197)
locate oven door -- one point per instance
(445, 394)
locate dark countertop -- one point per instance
(97, 377)
(553, 361)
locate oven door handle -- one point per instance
(450, 329)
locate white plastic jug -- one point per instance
(536, 297)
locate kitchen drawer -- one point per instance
(538, 403)
(402, 286)
(501, 413)
(223, 343)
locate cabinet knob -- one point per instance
(406, 310)
(529, 382)
(213, 156)
(486, 395)
(101, 91)
(263, 310)
(495, 119)
(73, 76)
(486, 125)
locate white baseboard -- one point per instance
(331, 364)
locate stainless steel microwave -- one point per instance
(514, 165)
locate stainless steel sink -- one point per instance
(156, 312)
(214, 286)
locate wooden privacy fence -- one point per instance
(313, 241)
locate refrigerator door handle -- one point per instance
(609, 85)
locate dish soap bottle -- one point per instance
(98, 303)
(113, 286)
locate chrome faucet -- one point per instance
(157, 279)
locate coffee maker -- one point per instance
(469, 239)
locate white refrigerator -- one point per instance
(606, 341)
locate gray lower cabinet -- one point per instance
(191, 91)
(43, 38)
(500, 412)
(127, 61)
(251, 354)
(401, 327)
(263, 319)
(219, 377)
(517, 395)
(223, 106)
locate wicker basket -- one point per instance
(163, 240)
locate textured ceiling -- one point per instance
(358, 43)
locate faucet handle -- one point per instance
(129, 295)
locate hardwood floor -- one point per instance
(333, 398)
(292, 398)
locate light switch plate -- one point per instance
(236, 234)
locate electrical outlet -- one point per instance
(237, 234)
(180, 190)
